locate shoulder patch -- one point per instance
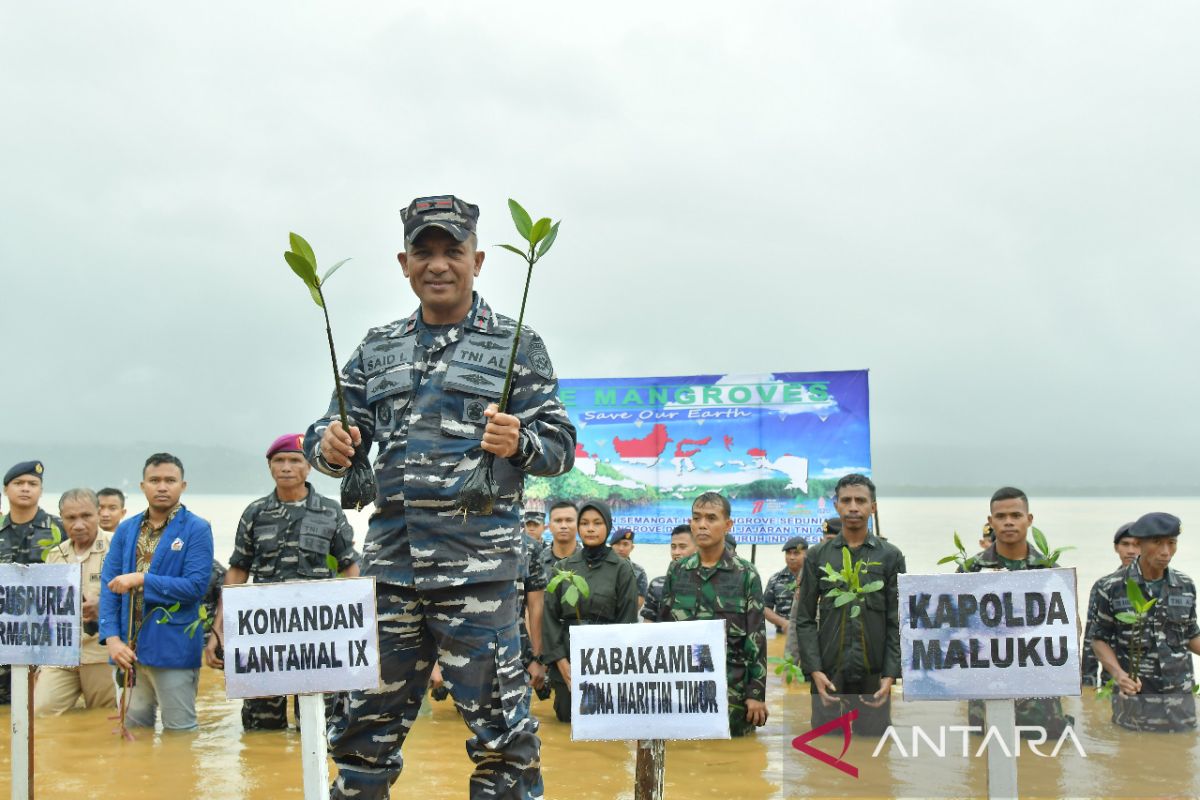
(539, 358)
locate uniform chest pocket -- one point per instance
(467, 392)
(1180, 608)
(266, 550)
(388, 395)
(602, 607)
(316, 536)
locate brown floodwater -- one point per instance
(80, 756)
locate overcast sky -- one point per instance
(992, 206)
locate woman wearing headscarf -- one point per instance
(612, 598)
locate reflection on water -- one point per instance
(80, 756)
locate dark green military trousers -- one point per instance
(472, 631)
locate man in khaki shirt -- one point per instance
(58, 688)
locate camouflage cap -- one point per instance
(445, 211)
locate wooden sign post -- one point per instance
(40, 612)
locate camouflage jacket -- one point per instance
(19, 543)
(731, 591)
(835, 645)
(533, 565)
(654, 591)
(612, 599)
(1166, 665)
(277, 541)
(1089, 664)
(779, 591)
(990, 559)
(643, 580)
(419, 394)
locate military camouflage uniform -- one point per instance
(612, 599)
(533, 579)
(549, 559)
(856, 653)
(1045, 712)
(778, 593)
(1165, 703)
(731, 591)
(445, 583)
(643, 580)
(19, 545)
(277, 542)
(1089, 664)
(654, 591)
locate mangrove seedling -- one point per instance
(126, 677)
(1049, 558)
(849, 593)
(577, 586)
(789, 669)
(479, 490)
(1136, 619)
(50, 542)
(358, 485)
(960, 557)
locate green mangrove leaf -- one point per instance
(846, 563)
(581, 584)
(520, 218)
(1039, 539)
(332, 270)
(855, 611)
(873, 586)
(843, 599)
(558, 578)
(544, 247)
(1134, 593)
(331, 562)
(539, 230)
(302, 248)
(948, 559)
(302, 267)
(571, 595)
(512, 249)
(958, 542)
(1127, 618)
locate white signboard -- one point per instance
(40, 614)
(300, 637)
(661, 681)
(989, 635)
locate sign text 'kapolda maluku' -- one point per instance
(989, 635)
(300, 637)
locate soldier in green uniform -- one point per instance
(612, 598)
(713, 583)
(1127, 549)
(852, 661)
(781, 587)
(1010, 520)
(22, 528)
(1160, 699)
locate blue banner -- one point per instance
(773, 444)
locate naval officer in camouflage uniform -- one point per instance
(715, 584)
(423, 389)
(22, 528)
(289, 535)
(1010, 520)
(1161, 698)
(851, 662)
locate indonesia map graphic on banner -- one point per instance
(774, 444)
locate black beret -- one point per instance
(832, 525)
(1122, 532)
(621, 534)
(795, 543)
(1155, 524)
(24, 468)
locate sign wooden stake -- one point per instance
(313, 747)
(22, 732)
(651, 763)
(1002, 769)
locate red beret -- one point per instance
(288, 443)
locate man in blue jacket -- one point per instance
(158, 559)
